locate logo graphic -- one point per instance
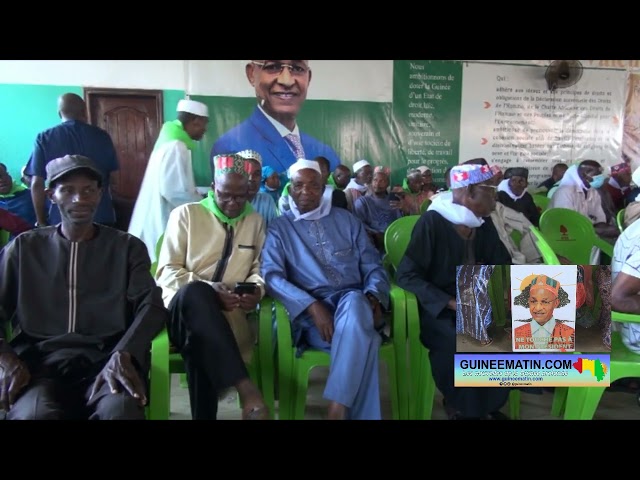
(564, 233)
(596, 367)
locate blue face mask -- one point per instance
(597, 181)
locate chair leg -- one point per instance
(514, 404)
(559, 401)
(301, 387)
(160, 379)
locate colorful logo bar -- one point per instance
(532, 370)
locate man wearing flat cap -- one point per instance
(168, 180)
(512, 193)
(83, 309)
(272, 129)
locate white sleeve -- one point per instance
(177, 184)
(563, 198)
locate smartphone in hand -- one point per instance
(245, 288)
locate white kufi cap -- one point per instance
(302, 164)
(359, 164)
(193, 107)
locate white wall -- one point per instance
(332, 79)
(144, 74)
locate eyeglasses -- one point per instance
(276, 68)
(488, 186)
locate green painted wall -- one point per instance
(355, 130)
(26, 111)
(29, 109)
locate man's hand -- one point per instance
(117, 373)
(230, 301)
(376, 309)
(452, 304)
(249, 301)
(14, 376)
(322, 319)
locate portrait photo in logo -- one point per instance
(543, 305)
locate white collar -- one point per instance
(282, 130)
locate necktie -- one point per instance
(296, 145)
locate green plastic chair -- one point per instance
(582, 402)
(571, 235)
(424, 205)
(396, 240)
(541, 201)
(620, 220)
(166, 362)
(422, 386)
(4, 238)
(548, 255)
(293, 372)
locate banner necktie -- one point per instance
(296, 145)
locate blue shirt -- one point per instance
(20, 204)
(77, 138)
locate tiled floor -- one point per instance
(613, 406)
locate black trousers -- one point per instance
(61, 383)
(439, 336)
(201, 333)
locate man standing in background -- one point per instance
(168, 180)
(74, 136)
(272, 130)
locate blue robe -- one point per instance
(263, 204)
(333, 261)
(375, 212)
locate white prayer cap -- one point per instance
(251, 155)
(302, 164)
(193, 107)
(359, 164)
(423, 169)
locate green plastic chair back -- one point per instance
(293, 371)
(548, 255)
(4, 238)
(397, 236)
(541, 201)
(620, 220)
(582, 402)
(571, 235)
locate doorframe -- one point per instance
(89, 92)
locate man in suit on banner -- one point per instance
(272, 130)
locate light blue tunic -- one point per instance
(331, 260)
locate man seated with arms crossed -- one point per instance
(83, 308)
(208, 247)
(319, 262)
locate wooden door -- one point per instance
(133, 118)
